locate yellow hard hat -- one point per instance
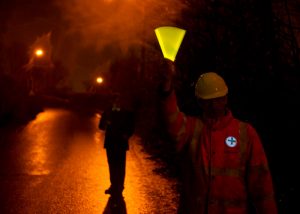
(210, 85)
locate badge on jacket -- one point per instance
(231, 141)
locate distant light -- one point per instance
(39, 52)
(99, 80)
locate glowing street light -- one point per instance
(39, 52)
(99, 80)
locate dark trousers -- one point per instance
(116, 158)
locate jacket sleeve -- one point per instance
(260, 185)
(179, 126)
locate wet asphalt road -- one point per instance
(57, 164)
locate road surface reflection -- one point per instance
(57, 164)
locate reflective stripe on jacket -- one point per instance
(225, 167)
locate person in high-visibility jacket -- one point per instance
(225, 168)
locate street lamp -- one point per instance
(39, 52)
(99, 80)
(96, 85)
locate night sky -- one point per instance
(86, 36)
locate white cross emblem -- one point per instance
(231, 141)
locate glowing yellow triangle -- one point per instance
(169, 39)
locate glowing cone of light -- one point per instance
(169, 39)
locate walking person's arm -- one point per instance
(103, 121)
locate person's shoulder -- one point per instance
(251, 132)
(247, 124)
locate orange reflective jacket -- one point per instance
(225, 166)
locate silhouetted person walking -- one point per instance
(118, 124)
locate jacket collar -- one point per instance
(220, 122)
